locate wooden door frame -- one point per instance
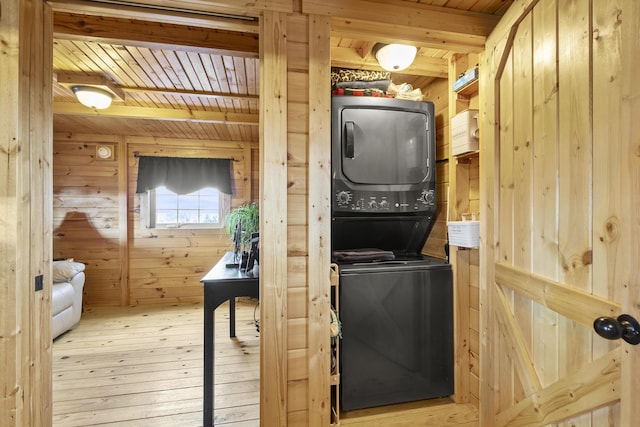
(273, 220)
(273, 342)
(26, 149)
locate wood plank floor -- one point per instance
(142, 366)
(432, 413)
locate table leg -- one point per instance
(209, 362)
(232, 317)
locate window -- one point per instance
(205, 208)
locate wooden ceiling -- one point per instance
(181, 75)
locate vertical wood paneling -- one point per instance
(86, 210)
(123, 212)
(609, 210)
(506, 162)
(255, 172)
(98, 220)
(612, 134)
(11, 300)
(545, 182)
(489, 152)
(12, 297)
(575, 157)
(438, 93)
(25, 151)
(462, 335)
(628, 178)
(248, 163)
(580, 188)
(25, 301)
(319, 214)
(491, 129)
(272, 200)
(496, 368)
(40, 128)
(273, 220)
(522, 187)
(463, 198)
(165, 265)
(608, 207)
(301, 229)
(505, 369)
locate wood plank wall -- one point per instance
(319, 208)
(97, 219)
(438, 93)
(32, 367)
(297, 48)
(274, 275)
(464, 197)
(307, 155)
(86, 223)
(25, 224)
(165, 265)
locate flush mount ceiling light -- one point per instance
(394, 57)
(93, 97)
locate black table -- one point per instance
(221, 284)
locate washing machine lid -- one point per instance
(399, 265)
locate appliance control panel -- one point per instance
(349, 200)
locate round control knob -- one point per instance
(373, 204)
(428, 196)
(384, 204)
(343, 197)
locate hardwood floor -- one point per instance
(432, 413)
(142, 366)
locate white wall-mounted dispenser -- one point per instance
(464, 132)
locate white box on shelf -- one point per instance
(464, 233)
(464, 132)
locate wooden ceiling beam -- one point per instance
(154, 34)
(166, 15)
(405, 15)
(422, 66)
(419, 37)
(235, 7)
(168, 114)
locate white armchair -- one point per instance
(66, 295)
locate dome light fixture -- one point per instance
(394, 57)
(93, 97)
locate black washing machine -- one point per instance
(396, 310)
(396, 305)
(397, 331)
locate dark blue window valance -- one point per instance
(183, 175)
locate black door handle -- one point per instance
(625, 327)
(349, 149)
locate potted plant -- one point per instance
(241, 223)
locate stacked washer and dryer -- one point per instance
(396, 305)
